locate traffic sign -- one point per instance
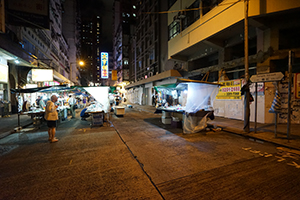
(269, 77)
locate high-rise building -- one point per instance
(89, 46)
(149, 62)
(123, 29)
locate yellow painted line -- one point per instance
(289, 150)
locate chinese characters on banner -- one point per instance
(104, 65)
(230, 90)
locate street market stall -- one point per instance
(98, 108)
(187, 103)
(36, 108)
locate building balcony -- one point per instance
(221, 23)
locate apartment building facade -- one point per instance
(208, 36)
(149, 64)
(37, 41)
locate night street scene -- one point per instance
(150, 99)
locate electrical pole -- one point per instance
(247, 92)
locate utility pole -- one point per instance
(247, 92)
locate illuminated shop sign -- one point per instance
(3, 73)
(42, 75)
(104, 65)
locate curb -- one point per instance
(256, 138)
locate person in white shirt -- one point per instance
(72, 103)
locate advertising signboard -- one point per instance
(3, 73)
(42, 75)
(104, 65)
(297, 85)
(230, 90)
(114, 75)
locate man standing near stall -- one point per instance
(51, 117)
(72, 103)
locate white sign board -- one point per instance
(42, 75)
(269, 77)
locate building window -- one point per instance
(190, 16)
(174, 29)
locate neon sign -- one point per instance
(104, 65)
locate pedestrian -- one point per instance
(111, 102)
(117, 100)
(72, 103)
(83, 114)
(37, 101)
(42, 104)
(84, 101)
(51, 117)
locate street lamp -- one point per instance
(81, 63)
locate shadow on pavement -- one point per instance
(157, 122)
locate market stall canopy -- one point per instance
(100, 93)
(39, 89)
(200, 94)
(57, 88)
(182, 84)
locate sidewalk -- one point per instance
(8, 124)
(264, 132)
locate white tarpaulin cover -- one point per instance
(200, 96)
(100, 94)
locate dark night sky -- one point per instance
(103, 8)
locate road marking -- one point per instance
(254, 151)
(280, 159)
(246, 149)
(294, 164)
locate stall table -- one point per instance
(97, 117)
(183, 119)
(36, 116)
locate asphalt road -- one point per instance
(137, 157)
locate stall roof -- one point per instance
(167, 74)
(182, 80)
(38, 89)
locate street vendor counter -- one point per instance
(37, 115)
(190, 122)
(97, 117)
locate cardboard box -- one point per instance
(119, 110)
